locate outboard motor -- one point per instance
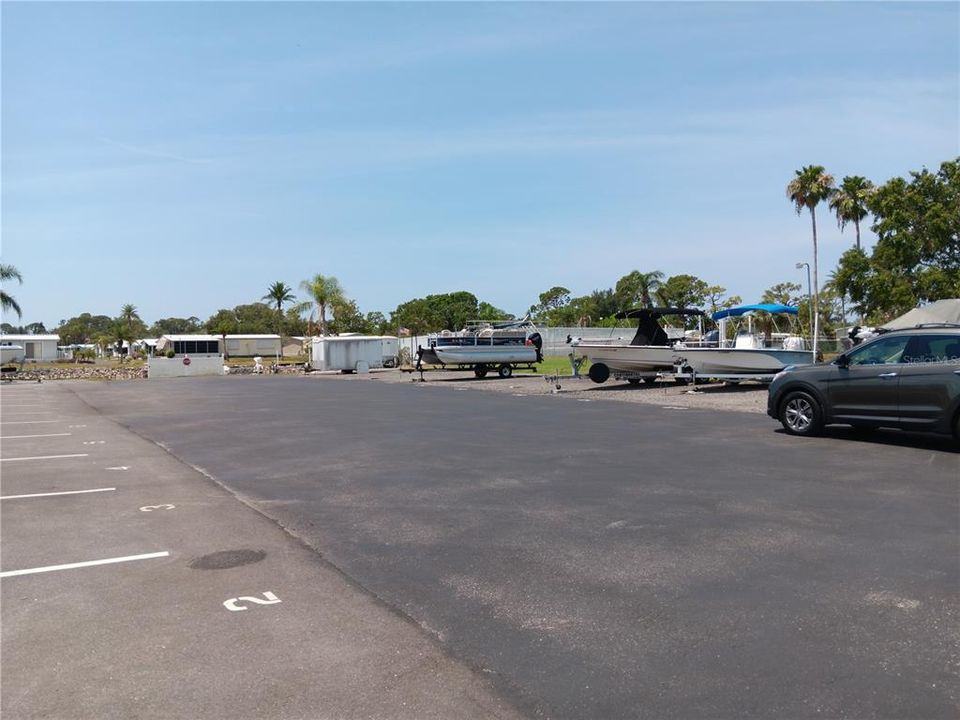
(536, 340)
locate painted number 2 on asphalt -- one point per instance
(233, 604)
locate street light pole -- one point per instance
(810, 307)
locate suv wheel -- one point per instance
(800, 414)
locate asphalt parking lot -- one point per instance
(452, 554)
(134, 586)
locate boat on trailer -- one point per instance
(483, 346)
(648, 355)
(748, 355)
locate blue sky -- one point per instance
(184, 156)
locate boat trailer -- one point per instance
(504, 370)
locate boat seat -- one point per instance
(747, 342)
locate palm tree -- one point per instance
(811, 186)
(7, 273)
(279, 293)
(324, 290)
(636, 287)
(121, 333)
(128, 313)
(648, 283)
(849, 202)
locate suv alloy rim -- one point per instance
(799, 414)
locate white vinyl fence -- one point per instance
(164, 367)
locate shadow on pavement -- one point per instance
(888, 437)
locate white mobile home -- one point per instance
(192, 355)
(251, 345)
(189, 345)
(35, 348)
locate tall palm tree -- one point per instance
(279, 293)
(811, 186)
(849, 202)
(7, 273)
(324, 290)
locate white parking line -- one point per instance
(26, 422)
(20, 437)
(44, 457)
(65, 492)
(88, 563)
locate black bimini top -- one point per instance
(649, 331)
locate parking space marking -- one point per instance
(94, 442)
(119, 467)
(51, 494)
(21, 437)
(27, 422)
(87, 563)
(44, 457)
(233, 604)
(151, 508)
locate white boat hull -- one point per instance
(630, 358)
(489, 355)
(739, 361)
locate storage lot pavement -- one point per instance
(453, 554)
(201, 607)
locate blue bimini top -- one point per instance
(772, 308)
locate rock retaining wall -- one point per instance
(134, 372)
(77, 372)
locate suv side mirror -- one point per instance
(842, 361)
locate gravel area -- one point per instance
(746, 397)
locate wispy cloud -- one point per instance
(149, 152)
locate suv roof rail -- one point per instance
(919, 326)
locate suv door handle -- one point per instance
(887, 375)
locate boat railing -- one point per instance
(744, 341)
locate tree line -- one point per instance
(916, 259)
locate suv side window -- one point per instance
(886, 351)
(937, 349)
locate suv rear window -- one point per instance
(933, 349)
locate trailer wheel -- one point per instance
(480, 371)
(505, 371)
(599, 373)
(650, 380)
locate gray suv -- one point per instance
(908, 379)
